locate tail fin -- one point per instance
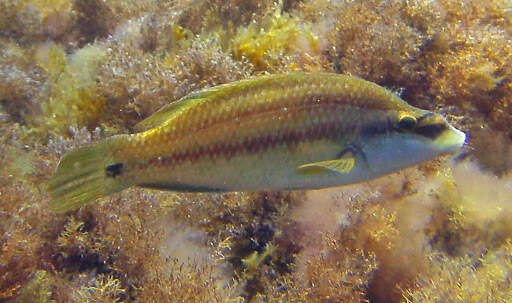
(81, 177)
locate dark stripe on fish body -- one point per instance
(227, 149)
(265, 114)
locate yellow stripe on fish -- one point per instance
(275, 132)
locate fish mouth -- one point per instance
(450, 141)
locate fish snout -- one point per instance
(451, 140)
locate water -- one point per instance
(75, 72)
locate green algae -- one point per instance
(69, 95)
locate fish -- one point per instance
(293, 131)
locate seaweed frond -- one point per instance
(280, 43)
(465, 280)
(70, 96)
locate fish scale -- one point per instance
(273, 132)
(238, 122)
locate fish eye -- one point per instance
(407, 123)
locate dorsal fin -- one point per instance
(169, 111)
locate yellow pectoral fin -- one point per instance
(341, 165)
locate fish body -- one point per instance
(276, 132)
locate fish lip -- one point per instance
(461, 136)
(453, 140)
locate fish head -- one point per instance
(414, 136)
(435, 132)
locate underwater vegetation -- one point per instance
(74, 72)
